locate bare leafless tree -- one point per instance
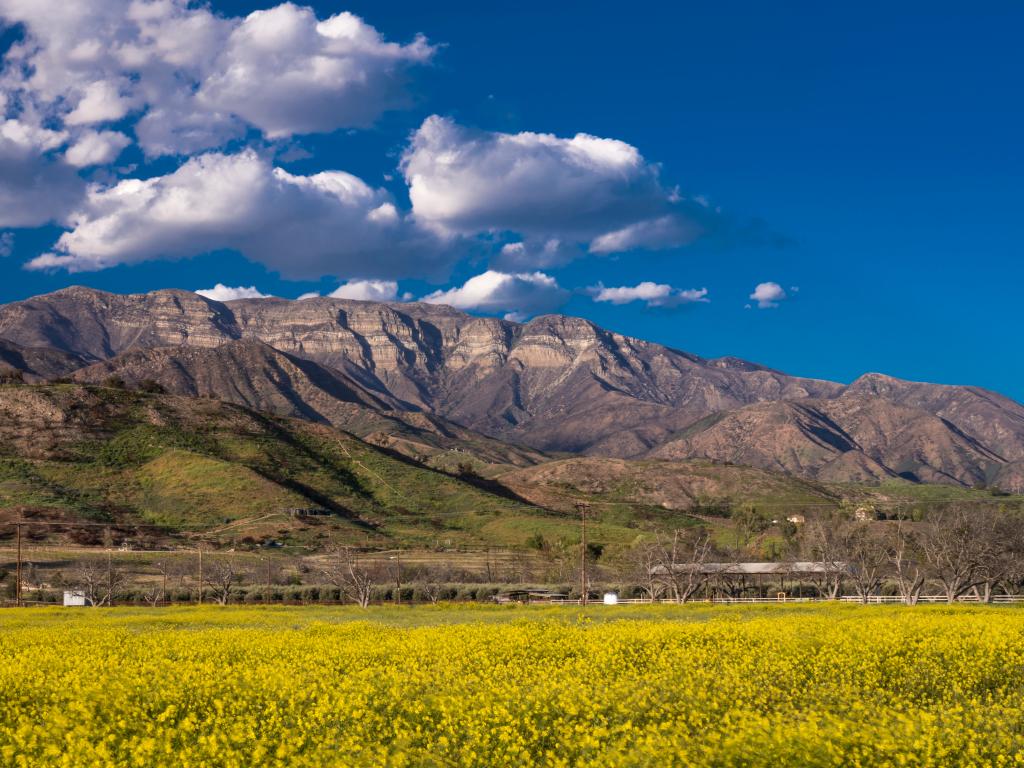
(156, 591)
(1001, 551)
(32, 577)
(906, 561)
(679, 562)
(954, 549)
(866, 558)
(91, 579)
(824, 540)
(100, 581)
(222, 576)
(432, 582)
(344, 569)
(153, 594)
(643, 567)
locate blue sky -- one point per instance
(865, 159)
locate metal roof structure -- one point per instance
(796, 568)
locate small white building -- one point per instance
(75, 598)
(611, 598)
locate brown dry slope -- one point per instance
(852, 438)
(253, 374)
(37, 363)
(555, 382)
(559, 384)
(694, 484)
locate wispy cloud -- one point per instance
(652, 294)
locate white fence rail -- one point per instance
(872, 600)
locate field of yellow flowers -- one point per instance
(452, 686)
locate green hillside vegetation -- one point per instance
(202, 466)
(160, 469)
(174, 467)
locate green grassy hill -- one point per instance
(160, 469)
(173, 467)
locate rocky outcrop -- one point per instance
(246, 372)
(511, 380)
(255, 375)
(995, 420)
(851, 438)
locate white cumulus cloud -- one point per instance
(285, 72)
(96, 148)
(101, 102)
(652, 294)
(195, 79)
(367, 290)
(519, 294)
(329, 223)
(221, 292)
(541, 186)
(83, 79)
(768, 295)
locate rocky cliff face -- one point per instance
(849, 438)
(253, 374)
(555, 383)
(247, 372)
(505, 377)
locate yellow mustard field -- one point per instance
(440, 686)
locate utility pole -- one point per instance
(17, 582)
(583, 507)
(110, 579)
(200, 575)
(398, 578)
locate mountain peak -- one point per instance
(555, 383)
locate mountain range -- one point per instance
(435, 383)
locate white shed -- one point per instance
(75, 598)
